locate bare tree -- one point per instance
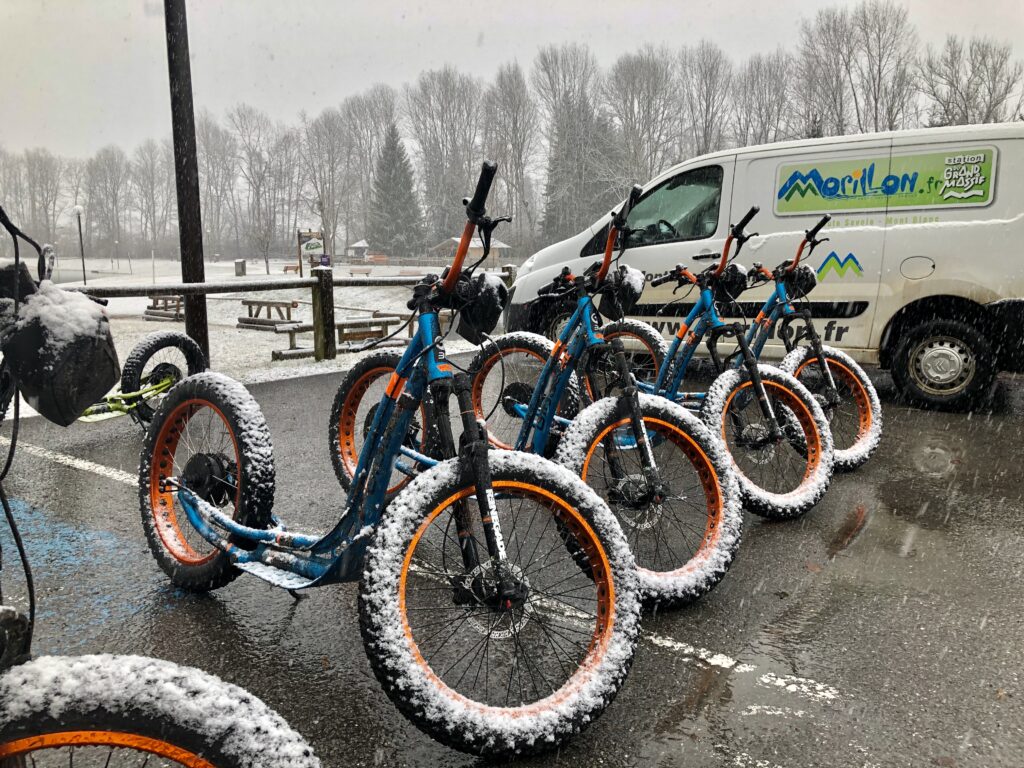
(328, 160)
(218, 171)
(705, 78)
(152, 176)
(254, 134)
(443, 113)
(976, 83)
(761, 106)
(44, 176)
(286, 184)
(108, 175)
(641, 92)
(511, 138)
(367, 117)
(822, 86)
(882, 68)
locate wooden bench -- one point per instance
(291, 268)
(350, 330)
(353, 271)
(165, 308)
(411, 272)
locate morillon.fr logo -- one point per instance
(833, 263)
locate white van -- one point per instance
(923, 273)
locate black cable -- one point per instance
(29, 581)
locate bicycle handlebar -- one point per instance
(475, 211)
(618, 223)
(736, 233)
(809, 239)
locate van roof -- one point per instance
(990, 131)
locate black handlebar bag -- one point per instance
(62, 353)
(484, 298)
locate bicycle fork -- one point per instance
(473, 453)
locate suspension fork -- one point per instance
(441, 391)
(831, 392)
(750, 363)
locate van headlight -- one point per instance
(528, 264)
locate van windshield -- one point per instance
(684, 207)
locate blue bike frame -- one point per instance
(338, 555)
(540, 416)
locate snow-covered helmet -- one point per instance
(800, 282)
(621, 292)
(483, 299)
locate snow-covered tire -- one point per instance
(346, 429)
(814, 439)
(160, 708)
(143, 353)
(397, 654)
(645, 347)
(721, 520)
(853, 446)
(487, 368)
(243, 432)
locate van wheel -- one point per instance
(553, 319)
(945, 364)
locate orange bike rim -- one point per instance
(113, 739)
(803, 415)
(705, 471)
(605, 625)
(478, 386)
(347, 422)
(860, 394)
(161, 466)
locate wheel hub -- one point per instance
(758, 437)
(516, 393)
(506, 594)
(163, 372)
(944, 362)
(211, 477)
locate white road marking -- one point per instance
(762, 709)
(117, 475)
(801, 686)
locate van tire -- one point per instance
(944, 364)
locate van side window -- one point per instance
(684, 207)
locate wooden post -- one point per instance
(511, 270)
(186, 170)
(298, 239)
(325, 346)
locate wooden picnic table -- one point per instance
(348, 330)
(165, 308)
(283, 308)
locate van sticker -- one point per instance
(956, 178)
(841, 267)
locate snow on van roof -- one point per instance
(987, 132)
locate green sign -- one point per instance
(925, 180)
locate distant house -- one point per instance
(445, 250)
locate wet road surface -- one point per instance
(883, 629)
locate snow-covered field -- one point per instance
(241, 353)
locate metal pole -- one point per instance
(152, 261)
(81, 246)
(186, 169)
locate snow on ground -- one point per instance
(241, 353)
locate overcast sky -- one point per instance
(75, 75)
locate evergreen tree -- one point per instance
(395, 225)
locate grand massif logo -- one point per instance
(840, 266)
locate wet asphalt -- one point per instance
(883, 629)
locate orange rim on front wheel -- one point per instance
(100, 742)
(777, 467)
(469, 650)
(849, 425)
(697, 523)
(351, 424)
(212, 437)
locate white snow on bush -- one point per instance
(456, 720)
(853, 456)
(760, 500)
(65, 315)
(691, 580)
(234, 720)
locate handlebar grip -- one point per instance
(483, 187)
(663, 279)
(812, 233)
(746, 219)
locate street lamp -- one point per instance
(78, 211)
